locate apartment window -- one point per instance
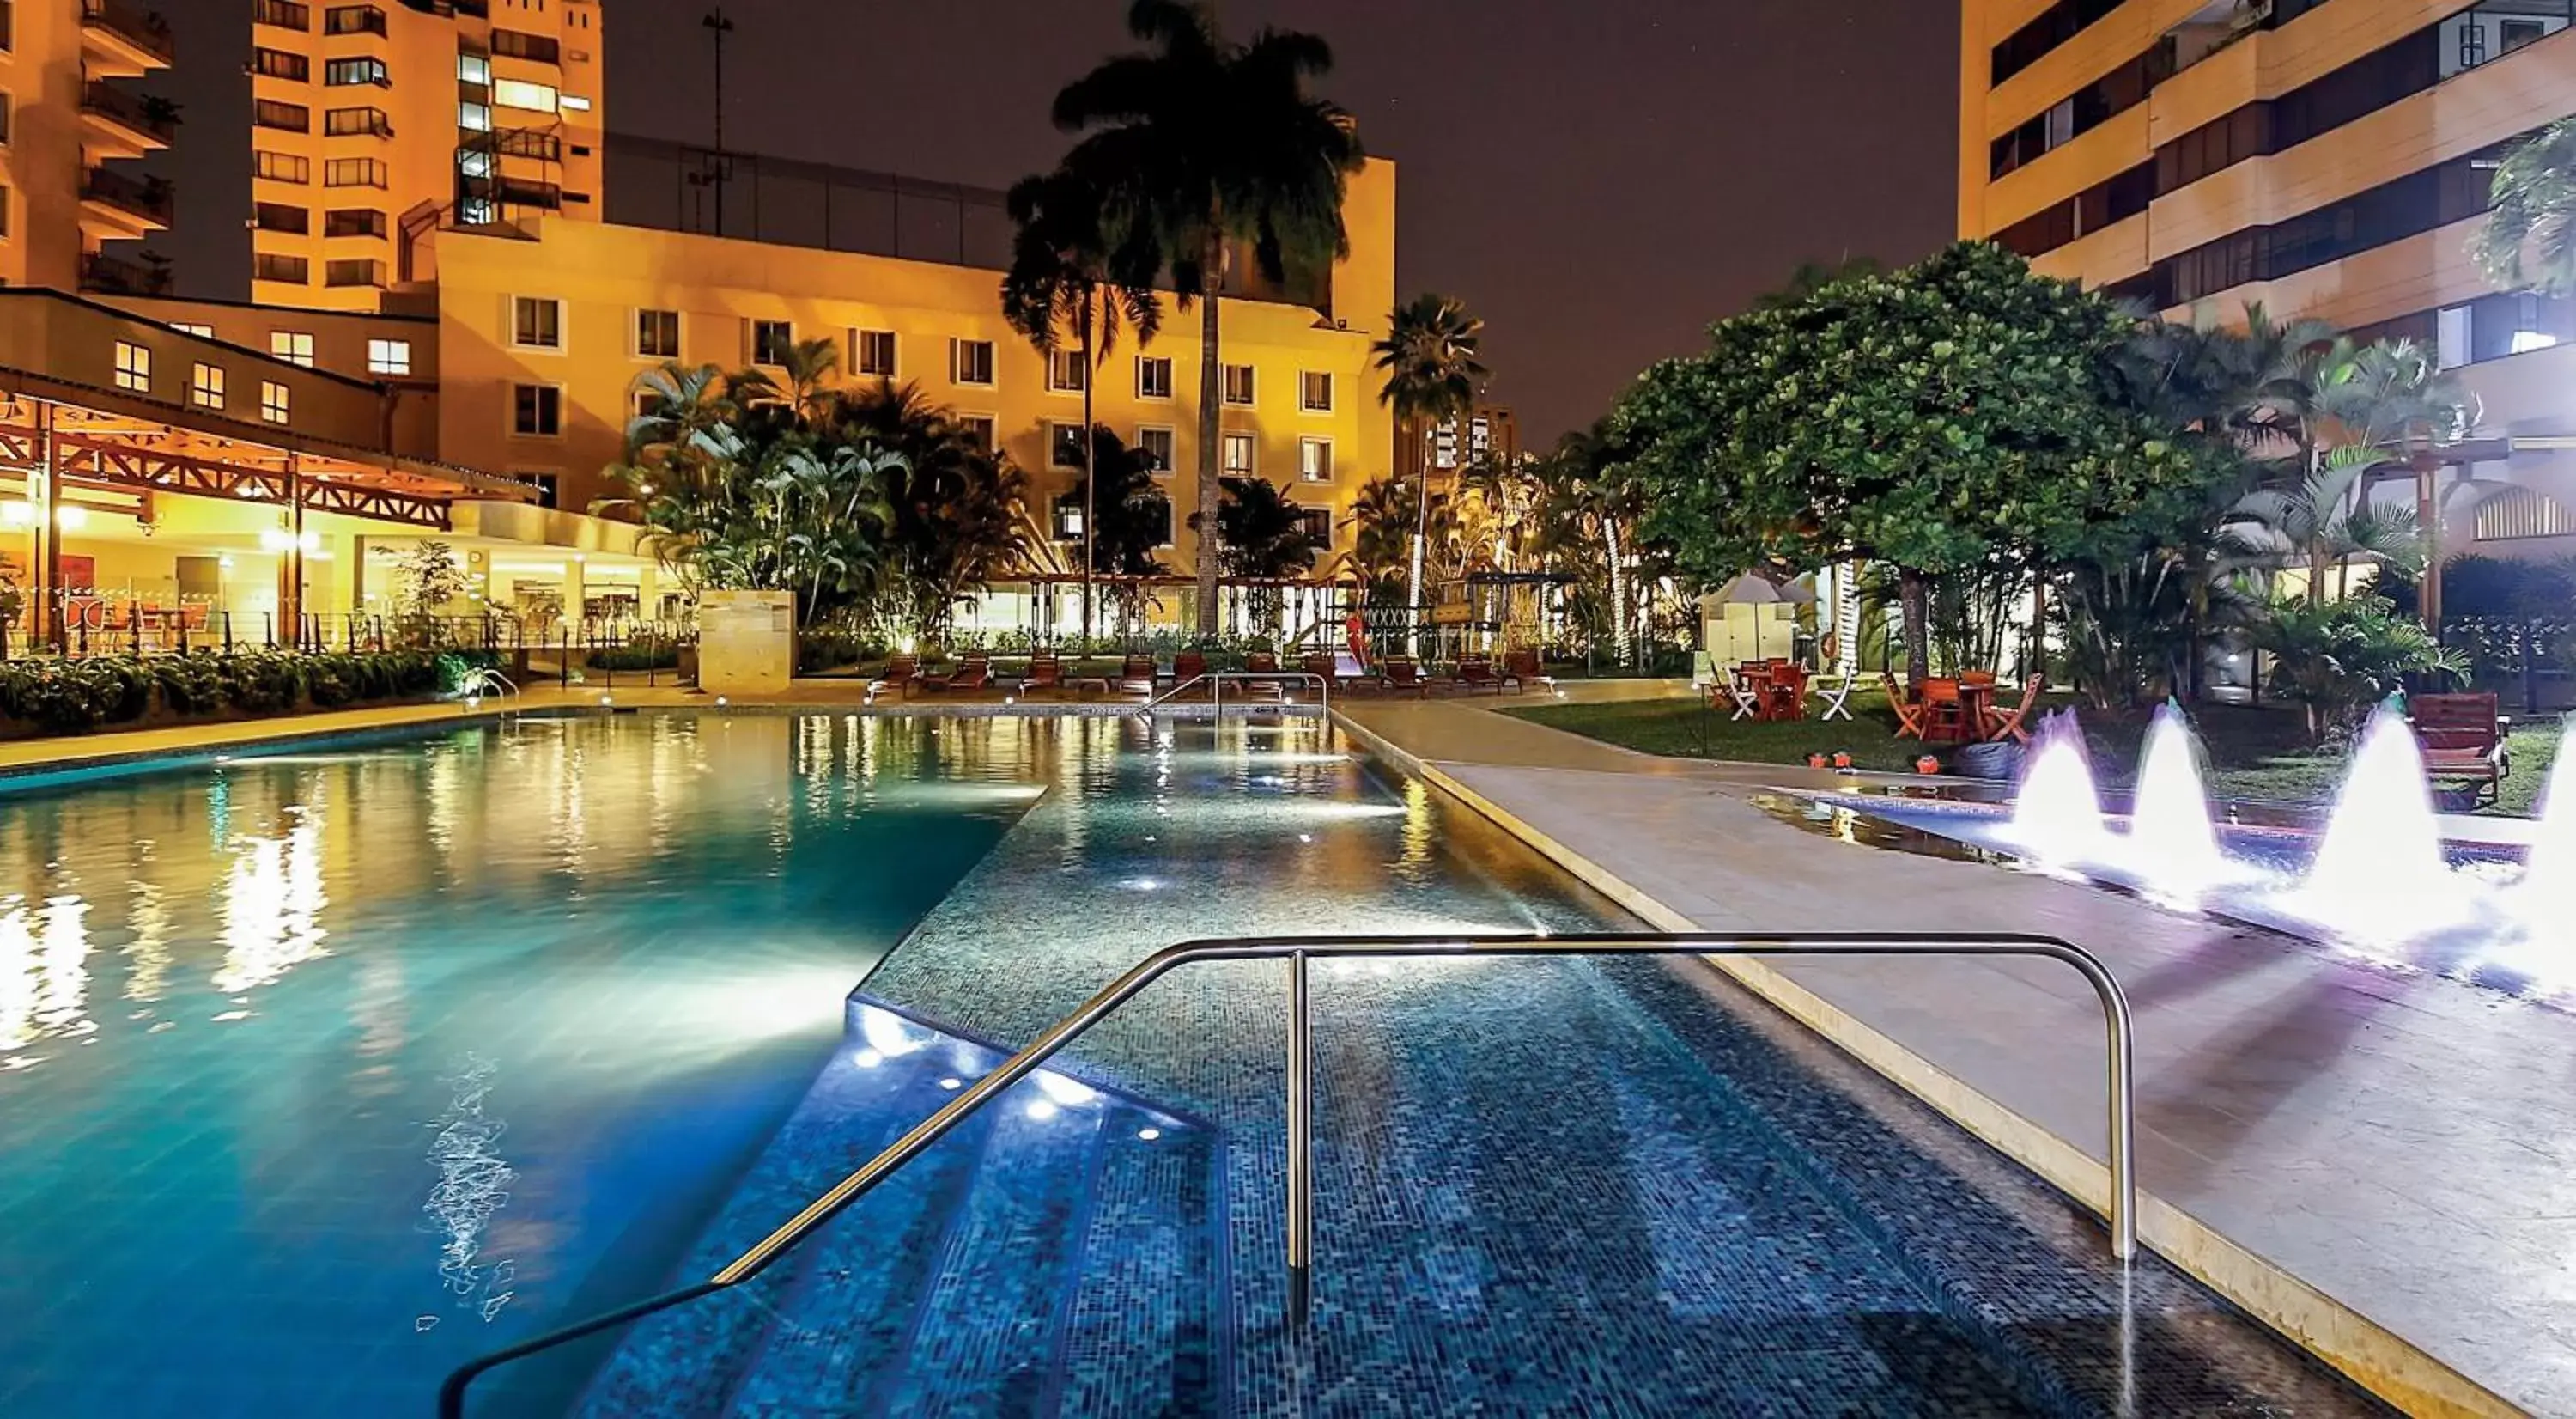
(357, 123)
(519, 93)
(280, 64)
(364, 69)
(8, 111)
(283, 167)
(190, 327)
(206, 386)
(284, 14)
(474, 117)
(353, 19)
(1153, 377)
(2083, 111)
(284, 270)
(657, 334)
(536, 411)
(574, 103)
(773, 342)
(1317, 525)
(353, 222)
(292, 117)
(273, 401)
(511, 44)
(364, 272)
(1315, 391)
(8, 26)
(1163, 517)
(1064, 445)
(1238, 384)
(473, 69)
(293, 346)
(872, 353)
(279, 217)
(2055, 26)
(133, 367)
(1068, 518)
(536, 323)
(1315, 460)
(549, 487)
(477, 162)
(1237, 449)
(353, 172)
(979, 430)
(970, 362)
(1067, 371)
(1156, 445)
(389, 357)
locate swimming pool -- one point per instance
(341, 1068)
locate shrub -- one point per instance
(642, 655)
(68, 696)
(2338, 659)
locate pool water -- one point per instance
(440, 1044)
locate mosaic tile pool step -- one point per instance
(1042, 1245)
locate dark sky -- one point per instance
(1599, 179)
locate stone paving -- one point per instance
(2403, 1144)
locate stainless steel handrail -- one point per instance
(1215, 680)
(2121, 1209)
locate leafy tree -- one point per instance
(1070, 279)
(427, 578)
(2529, 240)
(1215, 144)
(960, 516)
(1428, 357)
(1814, 276)
(1265, 540)
(1923, 419)
(1132, 519)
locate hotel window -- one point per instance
(285, 14)
(292, 117)
(536, 323)
(8, 26)
(293, 346)
(353, 222)
(284, 167)
(549, 486)
(284, 270)
(511, 44)
(356, 122)
(356, 272)
(353, 172)
(476, 162)
(536, 411)
(389, 357)
(574, 103)
(8, 111)
(1315, 391)
(133, 367)
(519, 93)
(473, 69)
(773, 342)
(1315, 460)
(970, 362)
(353, 19)
(1162, 507)
(364, 69)
(279, 64)
(1068, 518)
(1317, 524)
(272, 401)
(279, 217)
(1064, 445)
(206, 386)
(1156, 445)
(1238, 454)
(1066, 371)
(872, 353)
(979, 430)
(1153, 377)
(1238, 384)
(657, 334)
(474, 117)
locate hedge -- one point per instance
(69, 696)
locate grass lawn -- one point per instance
(2259, 753)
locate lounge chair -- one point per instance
(1261, 662)
(901, 674)
(1476, 672)
(1520, 667)
(973, 673)
(1402, 675)
(1136, 676)
(2464, 743)
(1187, 665)
(1046, 676)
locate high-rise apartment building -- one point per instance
(69, 123)
(2325, 158)
(375, 122)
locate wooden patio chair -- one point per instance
(1045, 677)
(1912, 715)
(902, 673)
(2002, 723)
(1476, 672)
(1520, 667)
(1403, 675)
(974, 672)
(1945, 711)
(2463, 740)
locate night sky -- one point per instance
(1597, 178)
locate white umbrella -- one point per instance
(1753, 589)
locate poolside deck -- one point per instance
(2404, 1145)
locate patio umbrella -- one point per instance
(1753, 589)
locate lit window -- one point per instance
(282, 167)
(292, 346)
(519, 93)
(1066, 371)
(133, 367)
(389, 357)
(657, 334)
(536, 323)
(190, 327)
(1156, 445)
(1068, 518)
(1238, 448)
(970, 361)
(575, 103)
(1315, 391)
(365, 69)
(1315, 460)
(536, 411)
(354, 172)
(772, 341)
(474, 117)
(206, 386)
(272, 401)
(473, 69)
(1238, 384)
(1153, 377)
(475, 162)
(1064, 445)
(872, 352)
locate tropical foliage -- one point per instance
(2337, 659)
(2529, 239)
(58, 696)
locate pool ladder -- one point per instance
(1216, 680)
(2121, 1205)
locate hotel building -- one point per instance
(2325, 158)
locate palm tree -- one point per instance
(1265, 540)
(1067, 275)
(1135, 519)
(1215, 144)
(2529, 240)
(959, 514)
(805, 391)
(1432, 375)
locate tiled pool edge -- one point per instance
(2373, 1356)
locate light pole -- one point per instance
(720, 26)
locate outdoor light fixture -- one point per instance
(1149, 1134)
(71, 517)
(18, 514)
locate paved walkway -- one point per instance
(2405, 1145)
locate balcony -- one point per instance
(116, 124)
(121, 41)
(116, 276)
(115, 207)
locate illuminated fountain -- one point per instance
(2379, 874)
(2057, 816)
(2171, 839)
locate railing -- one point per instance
(1215, 681)
(143, 29)
(116, 275)
(150, 199)
(1298, 951)
(138, 114)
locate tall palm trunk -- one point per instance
(1090, 476)
(1421, 530)
(1211, 395)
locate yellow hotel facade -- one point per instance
(2325, 158)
